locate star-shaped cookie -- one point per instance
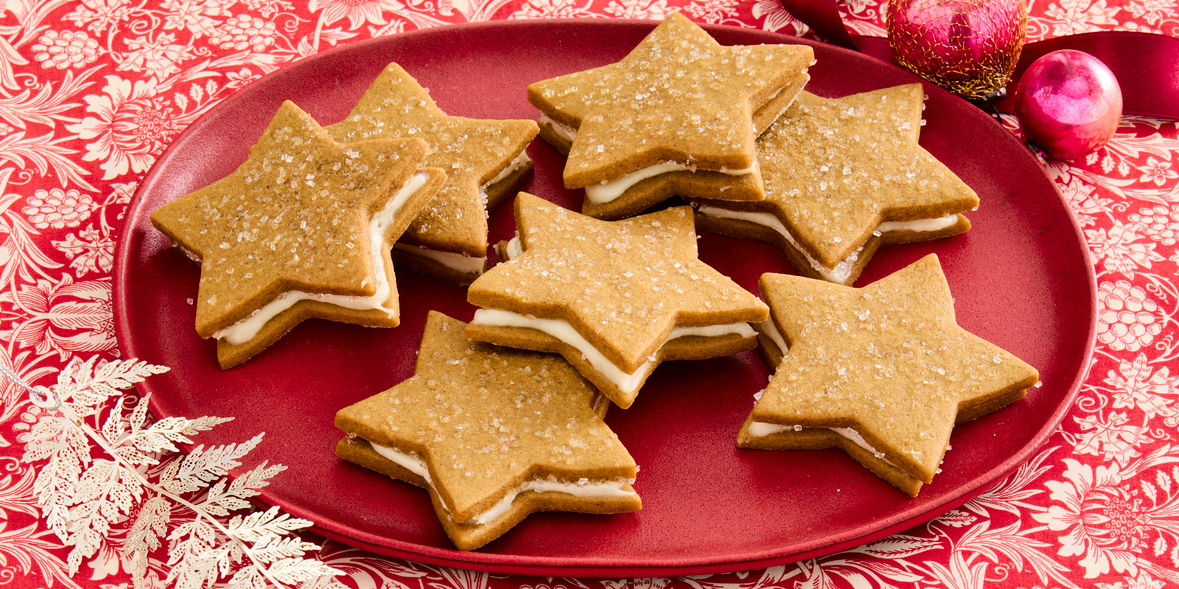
(882, 372)
(844, 176)
(301, 229)
(614, 297)
(494, 434)
(678, 115)
(484, 161)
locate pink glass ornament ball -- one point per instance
(1069, 103)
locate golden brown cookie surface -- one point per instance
(623, 288)
(485, 423)
(477, 155)
(679, 97)
(845, 173)
(291, 231)
(886, 363)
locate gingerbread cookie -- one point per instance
(615, 298)
(494, 434)
(844, 176)
(882, 372)
(301, 229)
(677, 116)
(484, 161)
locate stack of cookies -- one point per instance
(305, 226)
(505, 416)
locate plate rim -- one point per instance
(594, 566)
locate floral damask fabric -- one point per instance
(92, 92)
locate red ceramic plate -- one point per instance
(1021, 276)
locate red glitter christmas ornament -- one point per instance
(969, 47)
(1069, 103)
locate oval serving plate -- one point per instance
(1021, 278)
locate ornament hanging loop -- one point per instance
(45, 398)
(40, 396)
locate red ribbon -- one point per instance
(1146, 65)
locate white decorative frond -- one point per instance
(264, 524)
(202, 466)
(139, 415)
(193, 572)
(121, 374)
(84, 498)
(57, 518)
(66, 378)
(55, 486)
(173, 429)
(189, 540)
(114, 426)
(291, 571)
(146, 534)
(226, 558)
(45, 439)
(225, 497)
(274, 548)
(248, 578)
(97, 481)
(91, 387)
(85, 543)
(133, 457)
(248, 484)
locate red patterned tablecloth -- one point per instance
(92, 91)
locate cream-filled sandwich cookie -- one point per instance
(484, 161)
(677, 116)
(494, 434)
(882, 372)
(301, 229)
(615, 298)
(844, 176)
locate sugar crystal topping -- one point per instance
(623, 283)
(471, 152)
(486, 419)
(294, 214)
(678, 96)
(834, 169)
(876, 358)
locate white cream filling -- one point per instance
(782, 110)
(562, 330)
(761, 429)
(585, 488)
(561, 129)
(610, 190)
(919, 225)
(582, 488)
(460, 262)
(513, 249)
(842, 270)
(770, 329)
(378, 224)
(518, 162)
(607, 191)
